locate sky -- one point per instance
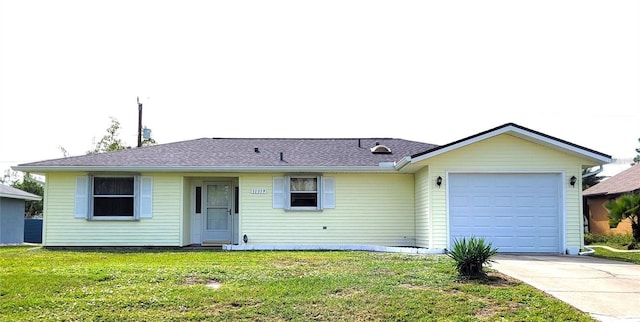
(429, 71)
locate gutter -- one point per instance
(402, 163)
(596, 172)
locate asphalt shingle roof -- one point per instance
(623, 182)
(14, 193)
(240, 152)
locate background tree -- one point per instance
(148, 142)
(64, 151)
(9, 177)
(591, 178)
(636, 159)
(627, 206)
(32, 208)
(110, 141)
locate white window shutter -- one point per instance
(328, 192)
(146, 197)
(278, 192)
(82, 197)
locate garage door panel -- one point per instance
(525, 202)
(480, 201)
(517, 212)
(503, 201)
(504, 222)
(546, 222)
(525, 220)
(548, 201)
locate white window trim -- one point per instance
(287, 193)
(326, 192)
(136, 199)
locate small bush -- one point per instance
(613, 240)
(471, 255)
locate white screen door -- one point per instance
(217, 223)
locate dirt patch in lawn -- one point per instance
(498, 279)
(210, 283)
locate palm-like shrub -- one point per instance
(470, 255)
(627, 206)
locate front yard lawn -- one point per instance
(41, 285)
(632, 257)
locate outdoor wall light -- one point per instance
(245, 239)
(572, 181)
(439, 181)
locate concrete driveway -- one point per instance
(608, 290)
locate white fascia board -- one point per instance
(46, 169)
(523, 135)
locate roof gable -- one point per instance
(624, 182)
(520, 132)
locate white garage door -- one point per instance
(517, 212)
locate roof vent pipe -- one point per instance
(377, 143)
(281, 156)
(256, 150)
(359, 144)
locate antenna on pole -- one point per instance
(139, 122)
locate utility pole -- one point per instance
(139, 122)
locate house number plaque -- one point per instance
(258, 191)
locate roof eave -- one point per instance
(610, 193)
(238, 169)
(23, 197)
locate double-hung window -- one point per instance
(303, 192)
(114, 197)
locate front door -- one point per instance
(217, 216)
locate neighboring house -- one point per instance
(627, 181)
(517, 187)
(12, 214)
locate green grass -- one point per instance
(618, 241)
(46, 285)
(632, 257)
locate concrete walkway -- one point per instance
(608, 290)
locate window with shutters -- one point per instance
(114, 197)
(303, 192)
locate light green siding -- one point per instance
(422, 207)
(186, 212)
(62, 229)
(504, 153)
(373, 209)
